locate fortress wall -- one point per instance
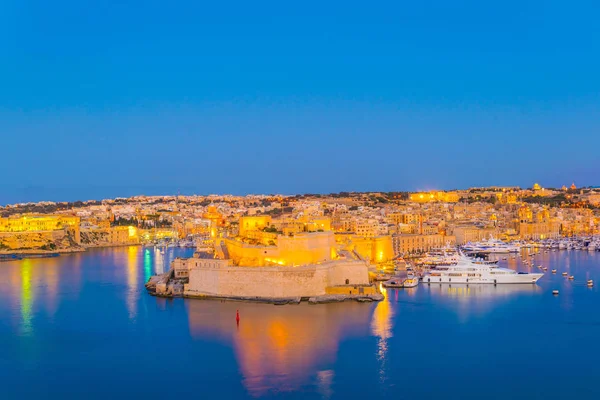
(290, 250)
(274, 282)
(245, 254)
(354, 271)
(30, 240)
(270, 282)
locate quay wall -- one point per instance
(275, 282)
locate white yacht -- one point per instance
(469, 271)
(498, 246)
(472, 247)
(411, 281)
(444, 256)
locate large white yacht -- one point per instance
(497, 246)
(472, 247)
(469, 271)
(444, 256)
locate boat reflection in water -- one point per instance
(475, 301)
(481, 291)
(281, 348)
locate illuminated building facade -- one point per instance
(426, 197)
(43, 232)
(413, 243)
(38, 223)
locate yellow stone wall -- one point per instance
(37, 223)
(375, 249)
(300, 249)
(318, 224)
(264, 238)
(253, 223)
(113, 236)
(273, 282)
(10, 241)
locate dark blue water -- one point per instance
(82, 326)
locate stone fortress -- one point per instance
(266, 262)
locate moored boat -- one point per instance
(469, 272)
(393, 283)
(410, 282)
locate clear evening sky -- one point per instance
(105, 98)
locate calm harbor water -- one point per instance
(82, 326)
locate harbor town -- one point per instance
(300, 200)
(316, 247)
(282, 291)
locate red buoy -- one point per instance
(237, 316)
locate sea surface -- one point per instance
(81, 326)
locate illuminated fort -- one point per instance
(264, 262)
(37, 223)
(36, 231)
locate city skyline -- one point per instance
(24, 195)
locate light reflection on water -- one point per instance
(87, 316)
(133, 289)
(26, 298)
(278, 347)
(381, 327)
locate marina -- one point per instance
(314, 345)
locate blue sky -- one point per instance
(115, 98)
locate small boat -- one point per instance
(571, 277)
(553, 271)
(382, 277)
(590, 283)
(564, 274)
(555, 292)
(545, 268)
(410, 282)
(540, 267)
(392, 283)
